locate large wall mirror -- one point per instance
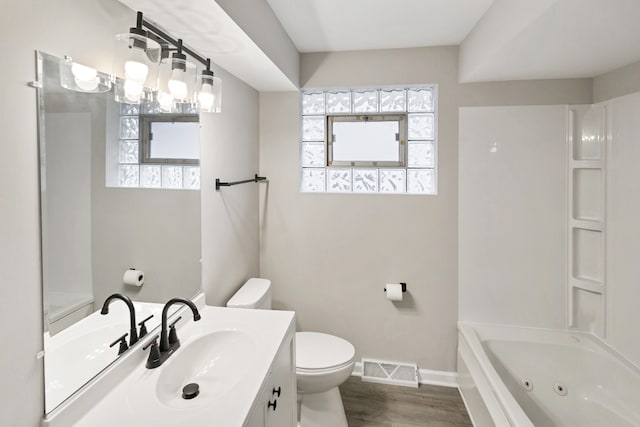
(104, 210)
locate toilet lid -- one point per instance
(315, 350)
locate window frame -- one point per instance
(401, 137)
(146, 121)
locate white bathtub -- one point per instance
(515, 376)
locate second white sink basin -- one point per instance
(216, 362)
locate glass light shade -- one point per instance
(176, 83)
(164, 97)
(80, 78)
(130, 92)
(135, 67)
(210, 94)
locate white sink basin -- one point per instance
(216, 362)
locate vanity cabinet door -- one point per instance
(280, 390)
(276, 403)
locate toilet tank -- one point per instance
(255, 293)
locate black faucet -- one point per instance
(169, 342)
(164, 337)
(133, 334)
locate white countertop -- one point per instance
(134, 400)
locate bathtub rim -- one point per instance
(470, 341)
(506, 410)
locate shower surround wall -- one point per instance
(329, 255)
(622, 226)
(512, 221)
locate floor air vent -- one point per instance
(385, 372)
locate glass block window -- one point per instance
(134, 169)
(416, 175)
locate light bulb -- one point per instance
(205, 97)
(177, 86)
(132, 91)
(135, 69)
(85, 77)
(166, 101)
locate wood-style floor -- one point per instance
(380, 405)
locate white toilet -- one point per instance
(323, 362)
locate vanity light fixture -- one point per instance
(80, 78)
(149, 68)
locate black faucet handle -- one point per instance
(153, 361)
(123, 344)
(143, 327)
(152, 342)
(173, 334)
(173, 324)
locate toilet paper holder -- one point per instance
(404, 287)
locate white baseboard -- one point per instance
(426, 376)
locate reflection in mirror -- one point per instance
(97, 222)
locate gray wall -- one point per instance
(229, 151)
(623, 81)
(83, 30)
(329, 255)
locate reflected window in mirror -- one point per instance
(155, 149)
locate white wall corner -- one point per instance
(262, 26)
(500, 25)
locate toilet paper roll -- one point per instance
(394, 291)
(133, 277)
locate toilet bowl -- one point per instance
(323, 362)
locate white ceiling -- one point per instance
(500, 39)
(545, 39)
(334, 25)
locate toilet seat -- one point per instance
(317, 352)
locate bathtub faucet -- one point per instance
(133, 334)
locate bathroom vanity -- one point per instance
(243, 362)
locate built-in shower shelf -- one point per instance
(586, 178)
(587, 285)
(587, 164)
(586, 224)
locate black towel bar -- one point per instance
(256, 178)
